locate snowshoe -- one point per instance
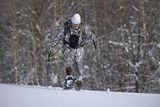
(69, 83)
(73, 83)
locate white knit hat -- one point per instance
(76, 19)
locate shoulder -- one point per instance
(67, 23)
(85, 28)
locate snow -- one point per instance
(120, 44)
(118, 9)
(135, 8)
(158, 45)
(86, 67)
(36, 96)
(39, 29)
(116, 43)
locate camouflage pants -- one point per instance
(74, 58)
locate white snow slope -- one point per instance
(33, 96)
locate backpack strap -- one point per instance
(67, 26)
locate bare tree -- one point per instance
(14, 39)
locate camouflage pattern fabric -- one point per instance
(74, 57)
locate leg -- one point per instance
(76, 70)
(67, 61)
(78, 64)
(67, 66)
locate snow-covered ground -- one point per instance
(33, 96)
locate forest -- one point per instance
(127, 58)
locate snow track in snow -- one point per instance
(37, 96)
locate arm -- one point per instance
(90, 37)
(57, 39)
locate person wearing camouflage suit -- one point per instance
(72, 50)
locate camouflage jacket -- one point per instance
(84, 33)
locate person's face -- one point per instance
(75, 26)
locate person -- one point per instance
(75, 36)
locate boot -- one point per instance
(69, 70)
(68, 83)
(78, 84)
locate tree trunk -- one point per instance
(14, 41)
